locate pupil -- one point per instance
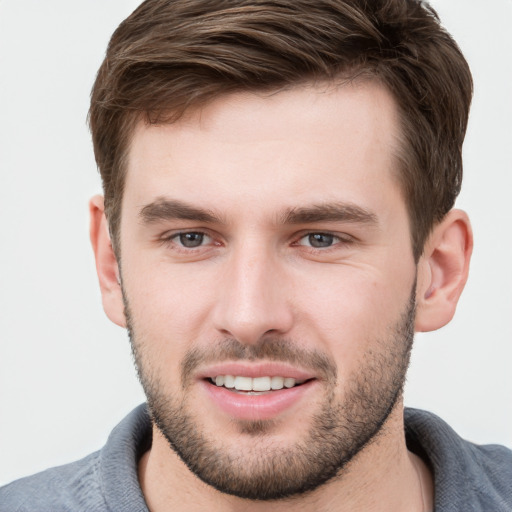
(191, 239)
(320, 240)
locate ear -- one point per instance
(443, 271)
(106, 263)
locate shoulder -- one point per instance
(74, 486)
(468, 474)
(489, 470)
(103, 481)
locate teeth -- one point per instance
(289, 383)
(254, 384)
(243, 383)
(229, 381)
(277, 383)
(261, 384)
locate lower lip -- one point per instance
(266, 406)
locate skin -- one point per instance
(251, 159)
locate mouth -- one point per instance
(257, 391)
(255, 385)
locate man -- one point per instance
(277, 222)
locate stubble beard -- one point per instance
(264, 469)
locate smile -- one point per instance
(263, 397)
(258, 384)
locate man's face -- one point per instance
(265, 243)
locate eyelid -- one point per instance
(341, 237)
(204, 238)
(169, 237)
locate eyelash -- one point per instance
(339, 240)
(170, 239)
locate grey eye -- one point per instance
(191, 240)
(319, 240)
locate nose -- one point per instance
(254, 299)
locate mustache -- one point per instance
(267, 349)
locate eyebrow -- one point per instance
(330, 212)
(164, 209)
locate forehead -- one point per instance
(308, 144)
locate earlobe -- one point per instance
(443, 271)
(106, 263)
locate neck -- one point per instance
(383, 476)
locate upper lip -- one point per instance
(251, 369)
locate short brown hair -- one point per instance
(171, 55)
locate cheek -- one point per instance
(353, 309)
(169, 305)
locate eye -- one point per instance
(319, 240)
(191, 239)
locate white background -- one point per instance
(66, 376)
